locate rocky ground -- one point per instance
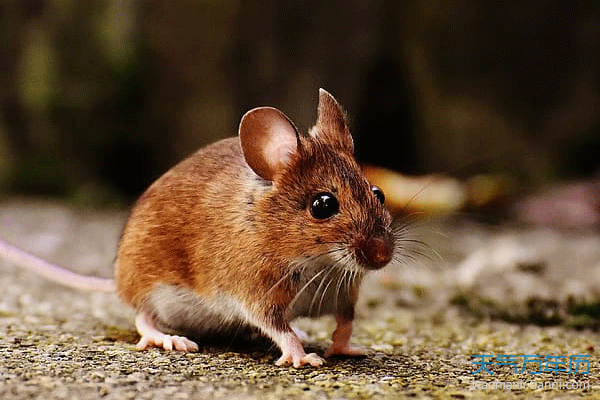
(477, 289)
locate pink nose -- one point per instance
(378, 251)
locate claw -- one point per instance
(349, 351)
(292, 352)
(307, 359)
(152, 337)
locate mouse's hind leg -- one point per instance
(152, 337)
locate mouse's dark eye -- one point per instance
(378, 193)
(324, 205)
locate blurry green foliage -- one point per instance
(99, 97)
(37, 72)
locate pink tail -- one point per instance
(54, 272)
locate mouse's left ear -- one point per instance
(331, 126)
(269, 139)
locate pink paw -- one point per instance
(167, 342)
(298, 361)
(152, 337)
(350, 351)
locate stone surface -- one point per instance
(473, 289)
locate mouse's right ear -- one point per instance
(269, 139)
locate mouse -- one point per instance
(250, 231)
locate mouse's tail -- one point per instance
(54, 272)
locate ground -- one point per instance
(476, 290)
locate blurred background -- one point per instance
(100, 97)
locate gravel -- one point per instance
(478, 289)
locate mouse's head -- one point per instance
(320, 206)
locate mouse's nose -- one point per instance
(378, 251)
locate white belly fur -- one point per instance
(181, 310)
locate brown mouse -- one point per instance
(256, 230)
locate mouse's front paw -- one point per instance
(298, 360)
(167, 342)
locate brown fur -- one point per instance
(213, 226)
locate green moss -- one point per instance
(459, 299)
(591, 309)
(4, 314)
(419, 291)
(114, 334)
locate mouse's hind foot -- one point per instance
(152, 337)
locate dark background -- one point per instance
(98, 98)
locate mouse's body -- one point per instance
(205, 239)
(255, 230)
(252, 231)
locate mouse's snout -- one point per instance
(377, 251)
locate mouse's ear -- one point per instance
(269, 139)
(331, 124)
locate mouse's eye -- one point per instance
(378, 193)
(324, 205)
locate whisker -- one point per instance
(323, 293)
(408, 219)
(300, 266)
(339, 287)
(283, 278)
(348, 280)
(330, 270)
(342, 265)
(305, 286)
